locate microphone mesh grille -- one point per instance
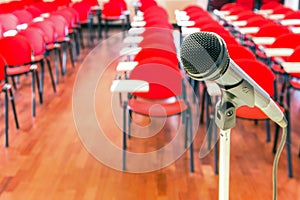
(200, 52)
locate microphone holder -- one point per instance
(225, 118)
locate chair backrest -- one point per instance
(2, 69)
(145, 4)
(193, 8)
(240, 52)
(293, 15)
(48, 29)
(295, 57)
(8, 21)
(289, 40)
(36, 38)
(61, 26)
(16, 50)
(267, 4)
(258, 21)
(152, 52)
(83, 10)
(23, 16)
(164, 81)
(198, 15)
(272, 30)
(69, 17)
(260, 73)
(112, 9)
(35, 12)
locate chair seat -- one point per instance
(18, 70)
(38, 58)
(63, 39)
(295, 84)
(157, 109)
(2, 86)
(278, 69)
(51, 46)
(252, 113)
(119, 17)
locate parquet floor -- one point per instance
(49, 158)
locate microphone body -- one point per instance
(204, 57)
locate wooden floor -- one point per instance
(49, 158)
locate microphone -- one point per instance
(204, 57)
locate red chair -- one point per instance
(264, 77)
(48, 29)
(240, 52)
(165, 87)
(20, 64)
(73, 30)
(270, 4)
(61, 29)
(152, 54)
(291, 82)
(193, 8)
(113, 12)
(24, 16)
(37, 40)
(8, 22)
(145, 4)
(6, 88)
(86, 18)
(34, 11)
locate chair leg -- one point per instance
(90, 27)
(12, 101)
(51, 74)
(216, 150)
(288, 147)
(129, 123)
(64, 58)
(106, 28)
(275, 139)
(81, 37)
(40, 83)
(13, 82)
(70, 46)
(34, 75)
(6, 119)
(123, 27)
(268, 136)
(76, 39)
(204, 93)
(191, 148)
(124, 137)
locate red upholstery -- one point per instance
(36, 38)
(153, 53)
(8, 22)
(164, 81)
(35, 12)
(83, 10)
(240, 52)
(23, 16)
(264, 77)
(15, 45)
(272, 30)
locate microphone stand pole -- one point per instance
(225, 119)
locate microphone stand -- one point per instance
(225, 118)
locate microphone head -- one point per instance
(204, 56)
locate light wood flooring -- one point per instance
(47, 159)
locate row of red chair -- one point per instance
(245, 58)
(157, 64)
(28, 49)
(269, 23)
